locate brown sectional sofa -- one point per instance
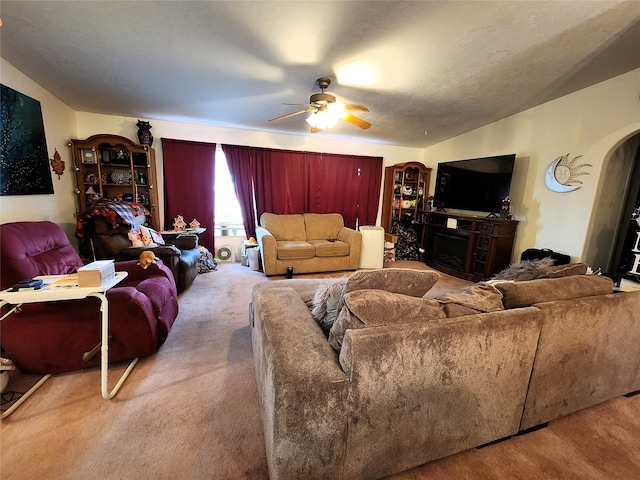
(311, 242)
(402, 388)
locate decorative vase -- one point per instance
(144, 133)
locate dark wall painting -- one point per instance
(24, 161)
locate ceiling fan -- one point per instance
(325, 111)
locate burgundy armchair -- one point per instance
(52, 337)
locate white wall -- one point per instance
(591, 122)
(90, 124)
(59, 126)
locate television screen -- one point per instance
(478, 184)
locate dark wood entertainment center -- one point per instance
(473, 248)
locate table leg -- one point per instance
(24, 397)
(104, 362)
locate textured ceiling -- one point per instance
(441, 67)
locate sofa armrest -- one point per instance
(348, 235)
(303, 391)
(354, 239)
(268, 250)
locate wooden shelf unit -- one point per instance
(405, 193)
(116, 168)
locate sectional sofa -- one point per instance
(401, 379)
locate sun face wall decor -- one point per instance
(561, 176)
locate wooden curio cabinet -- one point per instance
(115, 168)
(406, 189)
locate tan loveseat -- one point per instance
(311, 242)
(416, 379)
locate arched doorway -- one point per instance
(626, 253)
(619, 186)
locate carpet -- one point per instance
(191, 412)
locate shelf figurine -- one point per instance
(179, 225)
(505, 209)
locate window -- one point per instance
(228, 217)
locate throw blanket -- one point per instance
(115, 214)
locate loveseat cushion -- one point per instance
(326, 248)
(284, 227)
(291, 250)
(323, 226)
(373, 308)
(524, 294)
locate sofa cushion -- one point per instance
(524, 294)
(481, 297)
(284, 227)
(557, 271)
(323, 226)
(326, 248)
(406, 281)
(291, 250)
(372, 308)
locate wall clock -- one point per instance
(561, 175)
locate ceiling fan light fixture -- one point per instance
(322, 119)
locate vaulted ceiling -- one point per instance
(427, 70)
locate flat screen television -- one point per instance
(477, 184)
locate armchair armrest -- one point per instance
(184, 241)
(159, 251)
(136, 273)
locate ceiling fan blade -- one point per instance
(360, 108)
(358, 122)
(310, 109)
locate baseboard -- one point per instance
(500, 440)
(532, 429)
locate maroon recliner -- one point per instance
(52, 337)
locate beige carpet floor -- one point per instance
(191, 412)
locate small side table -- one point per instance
(54, 294)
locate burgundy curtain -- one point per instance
(282, 182)
(285, 181)
(347, 184)
(242, 168)
(189, 179)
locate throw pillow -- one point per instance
(373, 308)
(558, 271)
(406, 281)
(524, 294)
(482, 297)
(150, 237)
(326, 301)
(136, 239)
(525, 270)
